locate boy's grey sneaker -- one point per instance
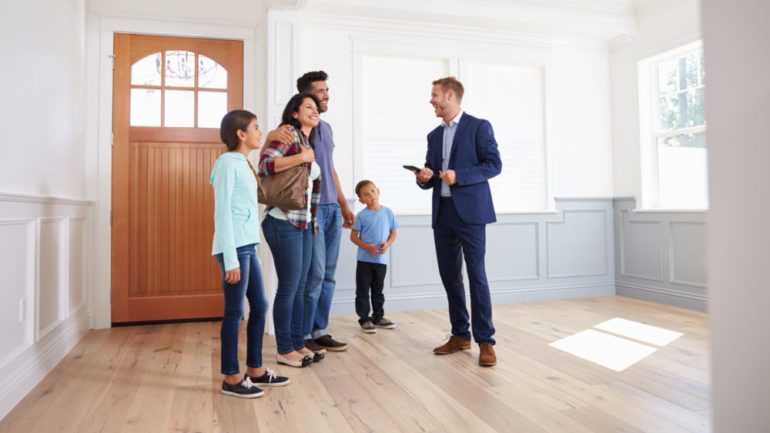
(368, 327)
(267, 379)
(328, 343)
(312, 345)
(385, 323)
(242, 389)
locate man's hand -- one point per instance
(283, 134)
(233, 276)
(424, 175)
(347, 217)
(449, 177)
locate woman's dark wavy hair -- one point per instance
(293, 107)
(234, 121)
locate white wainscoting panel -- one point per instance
(17, 278)
(579, 247)
(52, 288)
(661, 255)
(45, 283)
(78, 248)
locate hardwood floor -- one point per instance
(165, 378)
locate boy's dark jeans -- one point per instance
(370, 275)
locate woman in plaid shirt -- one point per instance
(290, 233)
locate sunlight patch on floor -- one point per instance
(617, 343)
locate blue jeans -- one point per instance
(320, 282)
(291, 248)
(251, 286)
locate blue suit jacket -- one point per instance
(474, 158)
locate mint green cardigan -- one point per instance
(236, 213)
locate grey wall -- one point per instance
(660, 256)
(530, 257)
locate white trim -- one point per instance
(138, 24)
(40, 199)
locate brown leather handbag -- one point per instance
(286, 190)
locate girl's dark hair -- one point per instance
(293, 107)
(234, 121)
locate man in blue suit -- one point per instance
(462, 156)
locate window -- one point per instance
(396, 118)
(673, 130)
(190, 90)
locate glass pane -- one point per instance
(702, 71)
(145, 107)
(146, 72)
(691, 71)
(668, 76)
(212, 106)
(180, 68)
(670, 110)
(180, 108)
(211, 74)
(695, 108)
(683, 177)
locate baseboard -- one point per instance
(25, 371)
(662, 295)
(428, 301)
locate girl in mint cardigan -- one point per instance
(236, 234)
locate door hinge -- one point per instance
(112, 138)
(110, 217)
(112, 60)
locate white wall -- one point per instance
(43, 104)
(660, 27)
(736, 35)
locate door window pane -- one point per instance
(146, 72)
(180, 68)
(145, 107)
(212, 106)
(211, 75)
(180, 108)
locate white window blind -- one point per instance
(396, 118)
(511, 98)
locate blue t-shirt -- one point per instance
(323, 146)
(374, 227)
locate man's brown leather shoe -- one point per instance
(455, 344)
(487, 357)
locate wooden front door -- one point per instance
(169, 96)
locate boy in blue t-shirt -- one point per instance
(374, 232)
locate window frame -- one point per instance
(649, 121)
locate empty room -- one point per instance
(532, 216)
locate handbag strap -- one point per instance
(256, 176)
